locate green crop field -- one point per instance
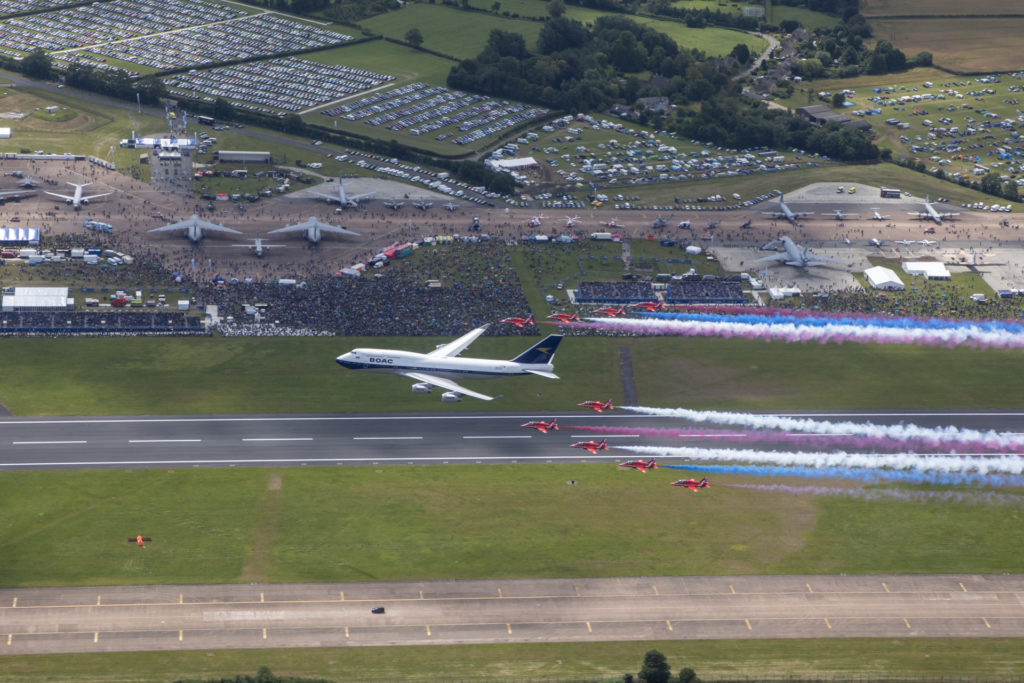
(397, 523)
(809, 19)
(929, 8)
(404, 63)
(447, 30)
(919, 659)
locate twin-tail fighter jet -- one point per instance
(640, 465)
(439, 367)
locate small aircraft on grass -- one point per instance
(693, 484)
(592, 446)
(599, 406)
(641, 465)
(542, 426)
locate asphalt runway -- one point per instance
(110, 619)
(287, 440)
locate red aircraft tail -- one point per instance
(651, 464)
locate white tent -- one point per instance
(881, 277)
(36, 299)
(933, 270)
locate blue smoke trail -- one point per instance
(810, 321)
(865, 475)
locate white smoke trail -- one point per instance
(941, 463)
(990, 438)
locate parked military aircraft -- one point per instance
(346, 201)
(313, 230)
(795, 255)
(195, 228)
(77, 200)
(931, 213)
(785, 212)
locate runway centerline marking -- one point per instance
(46, 443)
(280, 438)
(517, 436)
(385, 438)
(164, 440)
(605, 436)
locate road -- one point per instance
(255, 440)
(109, 619)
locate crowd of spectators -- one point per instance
(105, 323)
(929, 301)
(717, 291)
(614, 292)
(478, 286)
(269, 330)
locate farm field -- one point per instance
(925, 8)
(991, 659)
(409, 523)
(964, 45)
(402, 62)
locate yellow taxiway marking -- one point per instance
(669, 624)
(97, 600)
(589, 630)
(346, 631)
(987, 625)
(731, 589)
(261, 596)
(10, 637)
(181, 636)
(906, 622)
(499, 592)
(96, 637)
(264, 634)
(509, 627)
(809, 589)
(886, 587)
(964, 587)
(181, 598)
(428, 630)
(828, 624)
(421, 595)
(15, 603)
(655, 589)
(749, 627)
(577, 591)
(342, 594)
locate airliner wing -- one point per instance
(94, 196)
(782, 256)
(54, 194)
(446, 384)
(452, 349)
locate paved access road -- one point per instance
(98, 442)
(47, 620)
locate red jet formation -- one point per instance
(592, 446)
(693, 484)
(608, 310)
(518, 322)
(599, 406)
(542, 426)
(565, 317)
(641, 465)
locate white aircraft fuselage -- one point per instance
(399, 362)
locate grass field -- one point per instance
(989, 659)
(467, 522)
(214, 375)
(448, 30)
(964, 44)
(809, 19)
